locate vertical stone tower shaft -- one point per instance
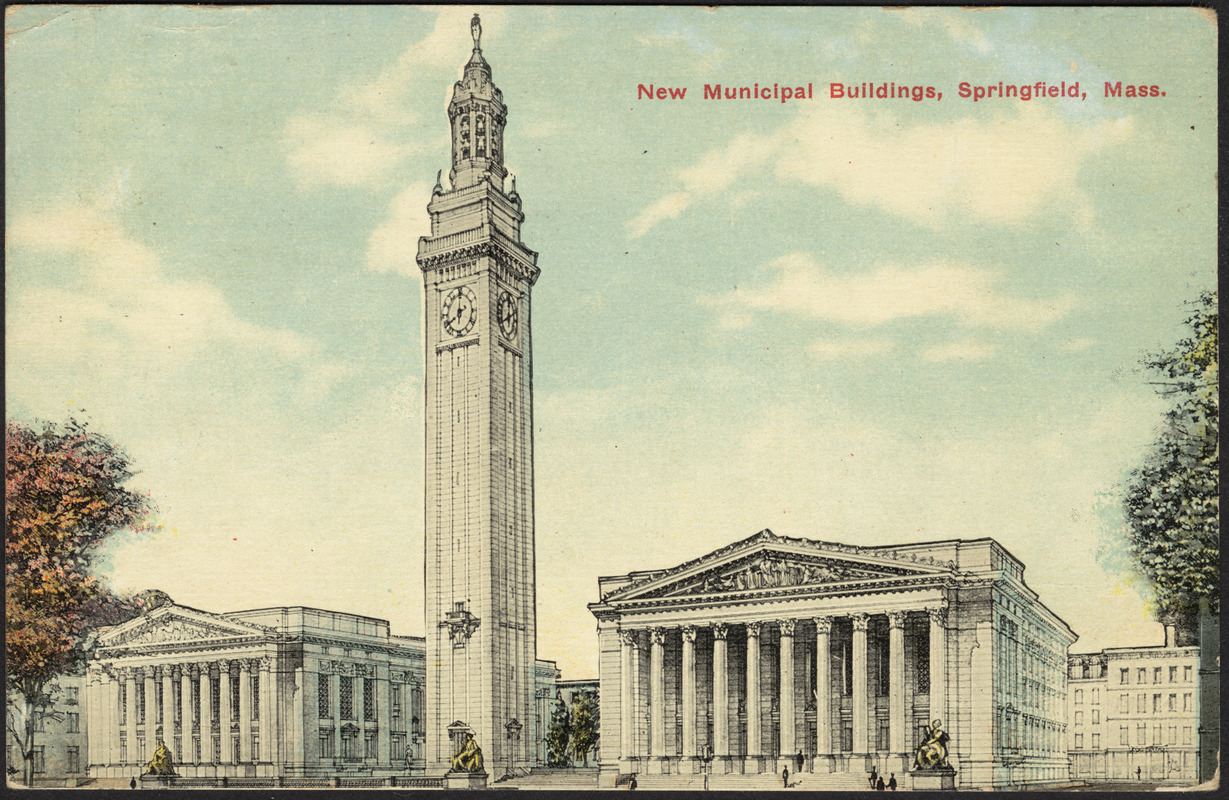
(480, 602)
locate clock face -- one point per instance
(507, 315)
(460, 311)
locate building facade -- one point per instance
(290, 693)
(773, 647)
(477, 278)
(1133, 714)
(60, 738)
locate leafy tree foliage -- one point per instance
(64, 496)
(1172, 501)
(585, 730)
(558, 736)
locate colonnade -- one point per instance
(130, 708)
(725, 730)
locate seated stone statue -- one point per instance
(469, 757)
(161, 763)
(932, 753)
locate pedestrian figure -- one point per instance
(1138, 771)
(785, 778)
(879, 785)
(892, 782)
(132, 784)
(799, 760)
(632, 783)
(874, 776)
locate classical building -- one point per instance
(291, 695)
(477, 277)
(1133, 714)
(773, 647)
(59, 739)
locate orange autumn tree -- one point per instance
(64, 496)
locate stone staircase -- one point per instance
(763, 782)
(548, 779)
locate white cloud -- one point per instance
(392, 247)
(958, 351)
(325, 151)
(836, 348)
(990, 167)
(798, 285)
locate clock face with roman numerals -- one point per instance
(507, 311)
(460, 311)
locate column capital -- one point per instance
(689, 633)
(657, 635)
(224, 665)
(720, 630)
(896, 619)
(627, 637)
(753, 629)
(203, 668)
(266, 663)
(860, 621)
(823, 624)
(787, 626)
(246, 664)
(938, 614)
(126, 673)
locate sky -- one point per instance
(870, 321)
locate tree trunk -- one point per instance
(28, 747)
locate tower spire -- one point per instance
(477, 116)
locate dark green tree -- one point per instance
(559, 736)
(1172, 501)
(585, 729)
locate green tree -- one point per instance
(585, 716)
(64, 497)
(559, 736)
(1172, 501)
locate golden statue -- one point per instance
(932, 753)
(469, 757)
(161, 763)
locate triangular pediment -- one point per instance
(171, 624)
(767, 561)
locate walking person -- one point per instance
(879, 785)
(798, 759)
(785, 778)
(874, 776)
(892, 782)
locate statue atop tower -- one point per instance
(477, 114)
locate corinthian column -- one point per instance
(185, 753)
(227, 754)
(130, 688)
(861, 745)
(938, 664)
(721, 693)
(168, 707)
(206, 713)
(823, 691)
(149, 716)
(755, 739)
(689, 693)
(787, 691)
(657, 693)
(268, 713)
(627, 694)
(896, 685)
(245, 710)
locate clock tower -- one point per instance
(480, 601)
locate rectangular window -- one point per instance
(1186, 735)
(847, 738)
(177, 701)
(1156, 704)
(395, 707)
(1124, 703)
(123, 750)
(215, 704)
(1173, 702)
(74, 722)
(158, 709)
(1079, 718)
(369, 700)
(1079, 697)
(1079, 741)
(324, 706)
(40, 759)
(1156, 734)
(1096, 697)
(396, 749)
(1096, 741)
(255, 747)
(140, 702)
(1124, 735)
(196, 708)
(1141, 734)
(369, 745)
(1173, 734)
(1141, 675)
(74, 758)
(1186, 674)
(1141, 704)
(217, 749)
(141, 748)
(1156, 674)
(1186, 701)
(883, 740)
(1096, 717)
(196, 749)
(255, 695)
(345, 697)
(74, 695)
(1173, 674)
(1124, 675)
(234, 697)
(235, 751)
(921, 650)
(123, 704)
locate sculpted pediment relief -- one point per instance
(164, 628)
(769, 571)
